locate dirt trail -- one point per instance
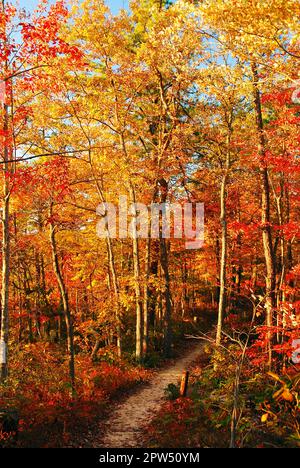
(127, 422)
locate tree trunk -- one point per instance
(222, 292)
(265, 216)
(167, 318)
(164, 261)
(112, 268)
(146, 296)
(137, 279)
(224, 242)
(5, 254)
(66, 308)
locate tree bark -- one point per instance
(5, 252)
(112, 269)
(65, 303)
(265, 215)
(164, 261)
(137, 279)
(224, 242)
(146, 296)
(5, 281)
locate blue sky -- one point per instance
(115, 5)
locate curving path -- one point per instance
(127, 422)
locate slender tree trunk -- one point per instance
(224, 243)
(137, 279)
(222, 295)
(239, 273)
(164, 261)
(5, 285)
(5, 253)
(167, 318)
(265, 216)
(281, 264)
(184, 293)
(27, 309)
(66, 308)
(218, 263)
(146, 296)
(289, 260)
(115, 283)
(112, 267)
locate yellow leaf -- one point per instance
(275, 377)
(287, 395)
(264, 417)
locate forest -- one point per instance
(190, 108)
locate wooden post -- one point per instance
(184, 383)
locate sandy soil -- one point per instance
(128, 419)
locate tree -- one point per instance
(28, 47)
(236, 32)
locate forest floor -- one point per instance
(127, 421)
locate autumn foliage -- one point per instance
(186, 102)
